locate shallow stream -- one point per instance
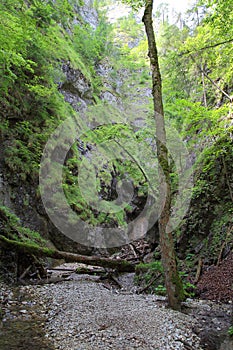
(21, 324)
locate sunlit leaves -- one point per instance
(135, 4)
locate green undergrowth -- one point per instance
(12, 228)
(101, 181)
(41, 38)
(221, 229)
(150, 276)
(230, 331)
(220, 233)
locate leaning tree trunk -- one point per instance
(172, 280)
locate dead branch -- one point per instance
(25, 272)
(149, 284)
(109, 276)
(211, 80)
(133, 250)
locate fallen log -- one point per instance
(26, 248)
(88, 271)
(62, 270)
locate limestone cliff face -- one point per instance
(76, 88)
(89, 13)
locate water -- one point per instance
(22, 330)
(25, 335)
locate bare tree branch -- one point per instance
(206, 47)
(212, 81)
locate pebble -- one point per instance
(23, 311)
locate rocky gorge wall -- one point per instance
(21, 195)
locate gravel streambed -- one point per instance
(83, 315)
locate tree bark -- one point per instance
(204, 86)
(172, 280)
(25, 248)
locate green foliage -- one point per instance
(91, 44)
(189, 260)
(130, 44)
(41, 37)
(219, 231)
(147, 272)
(177, 82)
(188, 287)
(186, 51)
(155, 266)
(27, 139)
(160, 289)
(135, 4)
(12, 228)
(230, 331)
(105, 174)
